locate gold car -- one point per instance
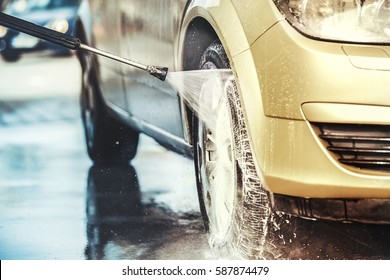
(304, 126)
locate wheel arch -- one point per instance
(201, 26)
(200, 32)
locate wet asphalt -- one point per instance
(55, 204)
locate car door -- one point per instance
(149, 29)
(106, 32)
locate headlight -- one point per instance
(60, 25)
(364, 21)
(3, 31)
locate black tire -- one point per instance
(107, 138)
(236, 208)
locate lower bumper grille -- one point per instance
(371, 211)
(359, 146)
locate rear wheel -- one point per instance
(107, 138)
(234, 203)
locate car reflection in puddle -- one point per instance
(122, 223)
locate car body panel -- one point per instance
(105, 26)
(315, 71)
(252, 24)
(150, 39)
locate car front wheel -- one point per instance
(234, 203)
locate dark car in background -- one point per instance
(59, 15)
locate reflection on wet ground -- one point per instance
(55, 205)
(122, 224)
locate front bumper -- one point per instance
(294, 76)
(297, 164)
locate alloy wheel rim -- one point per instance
(217, 168)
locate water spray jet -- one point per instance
(203, 91)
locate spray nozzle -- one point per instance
(158, 72)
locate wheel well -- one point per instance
(200, 34)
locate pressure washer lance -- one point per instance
(73, 43)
